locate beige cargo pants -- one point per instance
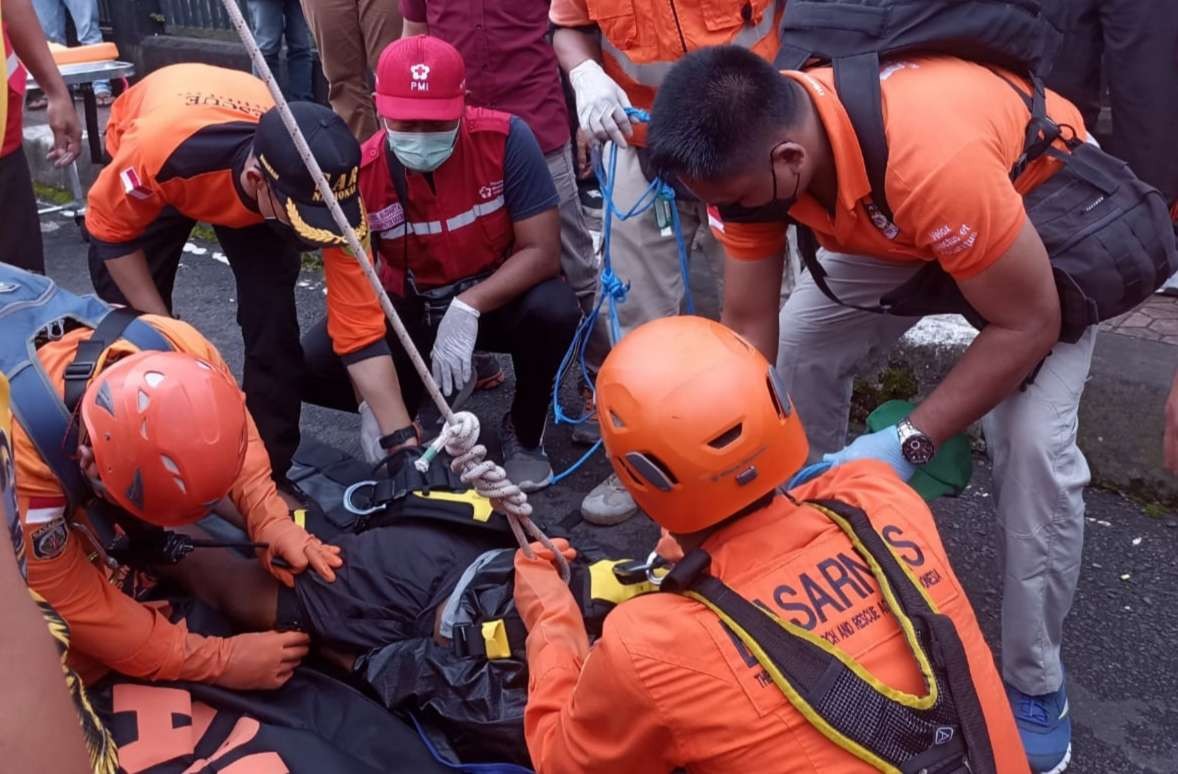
(1039, 472)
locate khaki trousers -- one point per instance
(1039, 472)
(350, 35)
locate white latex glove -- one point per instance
(601, 103)
(454, 346)
(370, 436)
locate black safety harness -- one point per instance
(940, 732)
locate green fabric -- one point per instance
(948, 472)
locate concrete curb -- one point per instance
(1121, 413)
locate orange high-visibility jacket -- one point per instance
(110, 630)
(667, 687)
(642, 39)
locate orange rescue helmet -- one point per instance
(169, 434)
(695, 422)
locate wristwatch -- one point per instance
(916, 447)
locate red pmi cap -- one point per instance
(420, 79)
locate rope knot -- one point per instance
(613, 286)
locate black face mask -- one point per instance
(774, 209)
(285, 232)
(290, 238)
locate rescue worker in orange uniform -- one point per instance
(164, 436)
(697, 427)
(193, 143)
(616, 54)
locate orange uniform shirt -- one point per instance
(667, 686)
(110, 629)
(178, 140)
(954, 131)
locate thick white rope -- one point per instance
(460, 434)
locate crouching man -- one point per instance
(466, 232)
(753, 666)
(126, 426)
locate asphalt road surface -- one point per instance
(1120, 647)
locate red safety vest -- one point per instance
(14, 93)
(459, 227)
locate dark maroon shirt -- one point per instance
(510, 65)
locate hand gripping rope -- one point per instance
(658, 195)
(459, 436)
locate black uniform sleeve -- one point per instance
(527, 184)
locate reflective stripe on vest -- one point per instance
(479, 210)
(14, 71)
(419, 227)
(460, 220)
(652, 73)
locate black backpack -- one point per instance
(1109, 235)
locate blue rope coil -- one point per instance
(614, 289)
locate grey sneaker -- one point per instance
(609, 503)
(527, 467)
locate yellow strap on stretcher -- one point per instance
(480, 505)
(495, 639)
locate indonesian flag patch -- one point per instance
(132, 185)
(43, 510)
(714, 219)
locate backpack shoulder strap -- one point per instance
(49, 422)
(856, 79)
(111, 328)
(808, 249)
(1041, 130)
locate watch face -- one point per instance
(918, 449)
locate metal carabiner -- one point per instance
(655, 562)
(352, 509)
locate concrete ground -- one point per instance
(1123, 666)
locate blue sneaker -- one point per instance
(1045, 726)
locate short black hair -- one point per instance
(715, 112)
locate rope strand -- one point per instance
(487, 477)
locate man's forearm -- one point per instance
(574, 46)
(131, 274)
(37, 718)
(993, 367)
(28, 41)
(519, 273)
(762, 332)
(376, 381)
(752, 297)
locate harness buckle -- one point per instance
(80, 370)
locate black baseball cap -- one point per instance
(338, 155)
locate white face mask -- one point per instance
(422, 151)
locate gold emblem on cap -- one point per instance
(266, 164)
(323, 236)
